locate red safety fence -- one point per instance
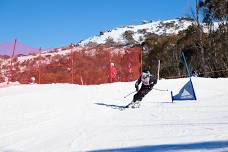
(75, 64)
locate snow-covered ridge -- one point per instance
(139, 32)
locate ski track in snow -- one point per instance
(69, 118)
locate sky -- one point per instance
(57, 23)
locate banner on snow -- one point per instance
(186, 93)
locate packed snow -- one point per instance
(70, 118)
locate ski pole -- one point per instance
(160, 89)
(129, 94)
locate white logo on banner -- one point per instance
(186, 94)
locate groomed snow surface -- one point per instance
(70, 118)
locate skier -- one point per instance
(148, 81)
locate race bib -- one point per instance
(145, 80)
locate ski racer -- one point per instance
(148, 81)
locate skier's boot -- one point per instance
(136, 104)
(131, 104)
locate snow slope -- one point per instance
(70, 118)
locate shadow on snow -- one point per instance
(111, 105)
(210, 145)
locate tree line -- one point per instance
(206, 52)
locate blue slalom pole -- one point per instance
(186, 66)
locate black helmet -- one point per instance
(145, 70)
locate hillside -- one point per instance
(69, 118)
(133, 34)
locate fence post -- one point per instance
(39, 66)
(141, 58)
(72, 64)
(82, 83)
(11, 61)
(159, 65)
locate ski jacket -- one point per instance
(147, 79)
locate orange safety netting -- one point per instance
(80, 65)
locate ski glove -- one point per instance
(154, 81)
(137, 87)
(151, 86)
